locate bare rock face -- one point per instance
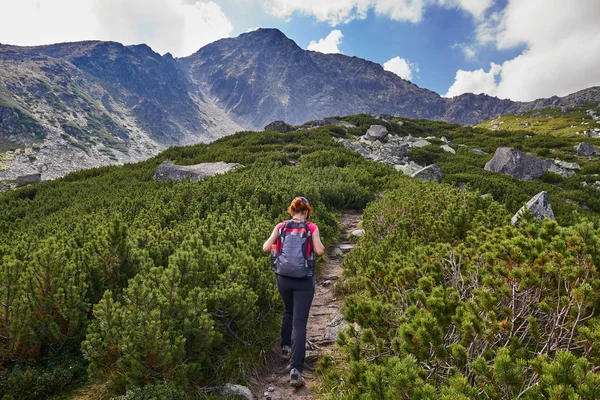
(28, 179)
(430, 173)
(519, 165)
(377, 132)
(539, 205)
(279, 126)
(167, 170)
(585, 149)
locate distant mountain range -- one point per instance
(70, 106)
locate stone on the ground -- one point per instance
(478, 151)
(236, 390)
(408, 168)
(567, 165)
(279, 126)
(585, 149)
(333, 329)
(448, 149)
(539, 205)
(358, 232)
(167, 170)
(517, 164)
(430, 173)
(557, 169)
(420, 143)
(336, 251)
(28, 179)
(377, 132)
(346, 248)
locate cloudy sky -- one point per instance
(517, 49)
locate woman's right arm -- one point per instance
(270, 241)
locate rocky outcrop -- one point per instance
(430, 173)
(279, 126)
(28, 179)
(167, 170)
(539, 205)
(519, 165)
(585, 149)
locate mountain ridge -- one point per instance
(78, 105)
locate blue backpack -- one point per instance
(295, 256)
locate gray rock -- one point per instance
(420, 143)
(377, 132)
(539, 205)
(358, 232)
(557, 169)
(334, 328)
(279, 126)
(236, 390)
(445, 140)
(519, 165)
(478, 151)
(448, 149)
(430, 173)
(525, 124)
(408, 168)
(567, 165)
(167, 170)
(585, 149)
(385, 117)
(28, 179)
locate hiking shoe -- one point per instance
(296, 378)
(286, 353)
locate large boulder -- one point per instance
(167, 170)
(429, 173)
(377, 132)
(539, 205)
(585, 149)
(279, 126)
(28, 179)
(519, 165)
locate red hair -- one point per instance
(300, 205)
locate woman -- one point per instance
(297, 292)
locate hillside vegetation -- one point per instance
(112, 278)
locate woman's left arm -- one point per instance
(318, 246)
(270, 241)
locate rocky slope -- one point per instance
(79, 105)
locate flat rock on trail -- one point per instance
(273, 382)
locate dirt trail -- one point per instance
(273, 382)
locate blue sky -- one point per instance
(518, 49)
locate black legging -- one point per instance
(297, 295)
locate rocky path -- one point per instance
(273, 382)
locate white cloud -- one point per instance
(165, 25)
(476, 82)
(469, 51)
(337, 12)
(562, 50)
(329, 44)
(401, 67)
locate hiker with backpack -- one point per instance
(293, 245)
